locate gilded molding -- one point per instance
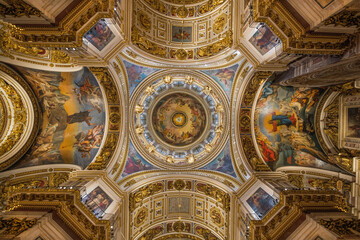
(344, 19)
(20, 117)
(15, 226)
(18, 8)
(67, 205)
(247, 102)
(144, 192)
(68, 33)
(216, 193)
(291, 207)
(342, 227)
(112, 96)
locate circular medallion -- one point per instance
(179, 119)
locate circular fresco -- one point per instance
(179, 119)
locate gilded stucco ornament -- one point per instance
(18, 8)
(293, 34)
(107, 150)
(18, 103)
(220, 23)
(15, 226)
(68, 32)
(141, 216)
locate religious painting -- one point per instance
(261, 202)
(136, 74)
(100, 35)
(97, 201)
(179, 119)
(324, 3)
(223, 163)
(135, 163)
(179, 205)
(353, 122)
(284, 126)
(181, 34)
(73, 117)
(224, 76)
(264, 39)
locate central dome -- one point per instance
(179, 119)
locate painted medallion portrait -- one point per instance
(181, 34)
(261, 202)
(97, 201)
(100, 35)
(264, 39)
(179, 119)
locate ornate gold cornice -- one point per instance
(69, 31)
(18, 8)
(293, 35)
(15, 226)
(345, 19)
(342, 227)
(107, 151)
(291, 207)
(66, 204)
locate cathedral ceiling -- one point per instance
(173, 105)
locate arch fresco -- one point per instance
(284, 127)
(73, 117)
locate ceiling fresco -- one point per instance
(73, 117)
(135, 163)
(284, 126)
(223, 163)
(224, 76)
(136, 74)
(178, 119)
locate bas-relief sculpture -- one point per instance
(135, 163)
(223, 163)
(224, 76)
(136, 74)
(73, 117)
(100, 35)
(284, 126)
